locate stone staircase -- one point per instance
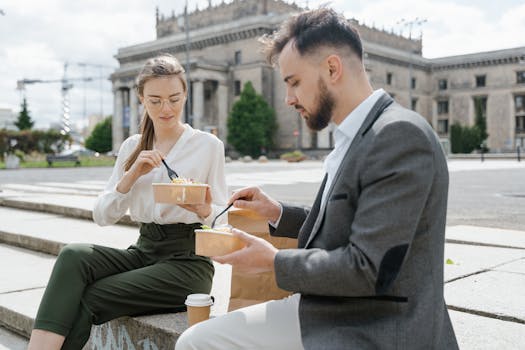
(484, 279)
(32, 232)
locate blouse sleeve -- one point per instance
(217, 181)
(112, 205)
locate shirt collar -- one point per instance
(351, 124)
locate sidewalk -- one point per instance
(484, 279)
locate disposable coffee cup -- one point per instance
(198, 306)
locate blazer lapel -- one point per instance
(308, 224)
(384, 101)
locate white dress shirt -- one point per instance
(344, 135)
(197, 155)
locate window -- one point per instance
(480, 80)
(520, 77)
(388, 78)
(238, 57)
(442, 107)
(237, 88)
(519, 102)
(442, 84)
(442, 127)
(413, 83)
(414, 104)
(520, 124)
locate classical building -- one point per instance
(223, 54)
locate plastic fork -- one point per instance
(222, 212)
(171, 173)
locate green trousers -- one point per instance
(92, 284)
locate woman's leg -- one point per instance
(156, 288)
(45, 340)
(77, 266)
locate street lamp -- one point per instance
(185, 22)
(411, 24)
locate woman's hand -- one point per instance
(145, 162)
(202, 210)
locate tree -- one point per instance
(480, 109)
(24, 121)
(100, 139)
(251, 123)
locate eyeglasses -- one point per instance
(157, 103)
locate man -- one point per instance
(368, 271)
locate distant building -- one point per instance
(93, 120)
(7, 119)
(224, 54)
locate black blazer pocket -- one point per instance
(338, 196)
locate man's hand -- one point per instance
(257, 256)
(255, 199)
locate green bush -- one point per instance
(465, 139)
(100, 139)
(28, 141)
(251, 124)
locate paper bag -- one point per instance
(249, 289)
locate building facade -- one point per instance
(220, 51)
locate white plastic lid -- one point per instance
(199, 300)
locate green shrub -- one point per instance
(251, 124)
(100, 139)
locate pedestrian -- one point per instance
(368, 270)
(93, 284)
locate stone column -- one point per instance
(133, 113)
(118, 114)
(222, 110)
(198, 103)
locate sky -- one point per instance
(38, 36)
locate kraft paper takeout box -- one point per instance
(171, 193)
(248, 289)
(211, 242)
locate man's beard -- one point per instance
(320, 118)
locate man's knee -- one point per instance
(194, 338)
(184, 342)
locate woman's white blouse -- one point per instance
(197, 155)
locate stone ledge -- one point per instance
(143, 332)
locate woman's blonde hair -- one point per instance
(164, 65)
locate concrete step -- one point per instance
(74, 206)
(489, 265)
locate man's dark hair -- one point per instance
(311, 30)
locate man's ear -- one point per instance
(335, 67)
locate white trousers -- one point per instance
(272, 325)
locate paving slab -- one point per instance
(11, 341)
(482, 333)
(486, 235)
(515, 267)
(495, 293)
(470, 259)
(24, 270)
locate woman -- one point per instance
(93, 284)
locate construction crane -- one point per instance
(66, 86)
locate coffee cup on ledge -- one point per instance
(198, 306)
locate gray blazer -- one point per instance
(370, 263)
